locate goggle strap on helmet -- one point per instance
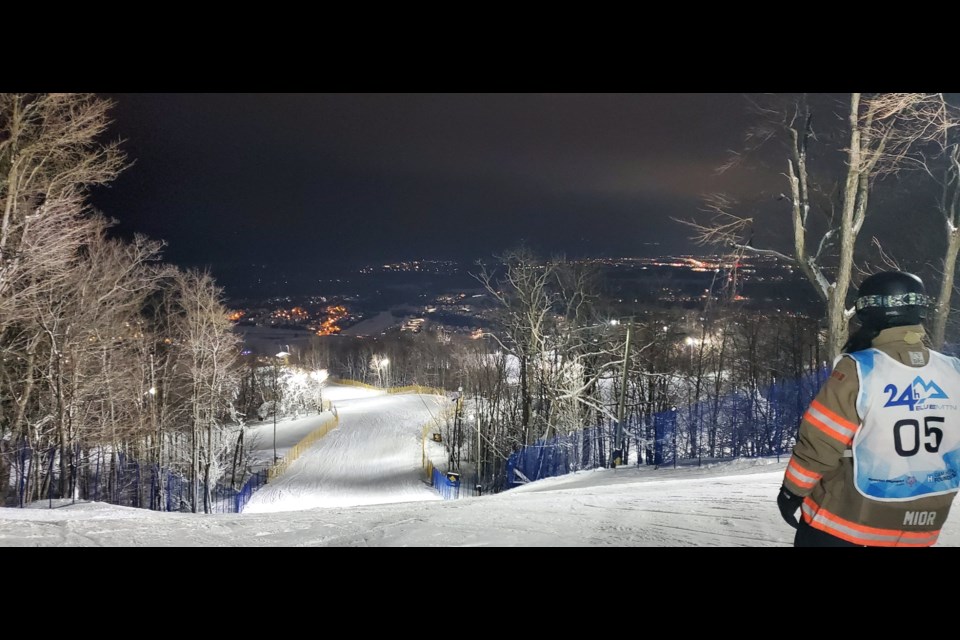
(893, 301)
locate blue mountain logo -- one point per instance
(918, 393)
(932, 389)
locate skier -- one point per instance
(877, 460)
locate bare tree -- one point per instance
(527, 302)
(101, 347)
(50, 154)
(210, 352)
(881, 133)
(949, 207)
(84, 323)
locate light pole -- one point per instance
(673, 416)
(458, 425)
(276, 366)
(621, 407)
(476, 425)
(152, 391)
(276, 393)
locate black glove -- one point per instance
(789, 503)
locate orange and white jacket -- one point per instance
(878, 463)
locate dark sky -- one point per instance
(315, 182)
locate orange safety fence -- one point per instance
(412, 388)
(297, 450)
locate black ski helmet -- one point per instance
(891, 299)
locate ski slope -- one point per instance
(374, 456)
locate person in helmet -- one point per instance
(877, 458)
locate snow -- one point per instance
(374, 326)
(374, 456)
(361, 485)
(290, 431)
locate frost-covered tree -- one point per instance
(210, 351)
(51, 154)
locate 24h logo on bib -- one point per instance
(917, 394)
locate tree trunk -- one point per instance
(195, 458)
(237, 459)
(5, 451)
(851, 218)
(718, 384)
(207, 485)
(525, 400)
(942, 312)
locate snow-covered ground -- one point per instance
(372, 461)
(290, 431)
(374, 326)
(374, 456)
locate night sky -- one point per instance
(321, 183)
